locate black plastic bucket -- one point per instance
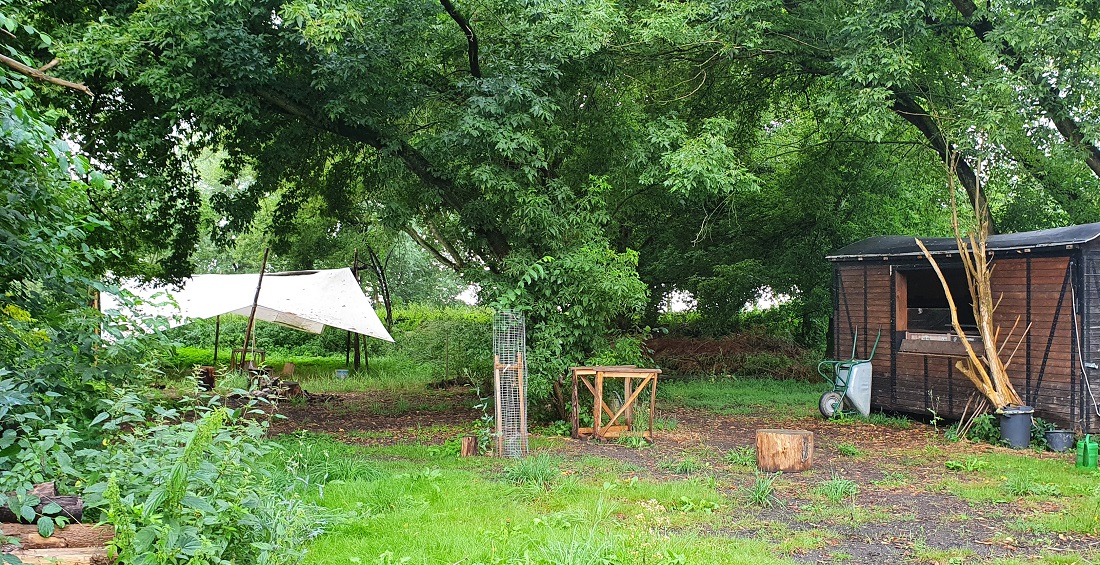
(1059, 440)
(1016, 426)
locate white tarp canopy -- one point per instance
(304, 300)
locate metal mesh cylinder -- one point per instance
(510, 382)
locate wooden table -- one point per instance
(595, 386)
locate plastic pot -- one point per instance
(1016, 426)
(1059, 440)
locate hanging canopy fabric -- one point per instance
(304, 300)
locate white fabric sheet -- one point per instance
(304, 300)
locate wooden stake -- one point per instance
(255, 304)
(217, 337)
(496, 406)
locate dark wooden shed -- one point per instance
(1050, 279)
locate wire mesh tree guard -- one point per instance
(510, 383)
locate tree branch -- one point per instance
(471, 37)
(1050, 101)
(430, 248)
(454, 197)
(455, 256)
(915, 114)
(40, 75)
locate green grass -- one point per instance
(743, 456)
(420, 508)
(734, 395)
(837, 489)
(849, 449)
(393, 373)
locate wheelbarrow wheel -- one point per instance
(830, 403)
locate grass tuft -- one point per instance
(762, 491)
(837, 489)
(541, 470)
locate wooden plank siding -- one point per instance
(1045, 369)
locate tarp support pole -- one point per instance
(347, 351)
(255, 304)
(217, 337)
(355, 273)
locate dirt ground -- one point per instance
(903, 512)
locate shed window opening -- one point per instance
(926, 303)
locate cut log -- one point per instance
(63, 556)
(790, 451)
(72, 507)
(469, 446)
(73, 535)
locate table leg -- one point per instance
(652, 406)
(628, 388)
(576, 408)
(597, 405)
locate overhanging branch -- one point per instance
(471, 37)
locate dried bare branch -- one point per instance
(42, 76)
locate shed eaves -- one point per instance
(903, 245)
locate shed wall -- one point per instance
(1044, 369)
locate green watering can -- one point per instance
(1086, 453)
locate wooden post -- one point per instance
(357, 357)
(496, 406)
(355, 274)
(790, 451)
(597, 403)
(217, 337)
(652, 406)
(628, 387)
(347, 351)
(576, 407)
(469, 446)
(522, 400)
(255, 304)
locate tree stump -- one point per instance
(790, 451)
(469, 446)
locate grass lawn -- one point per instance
(883, 489)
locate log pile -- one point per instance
(75, 544)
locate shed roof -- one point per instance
(904, 245)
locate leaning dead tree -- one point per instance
(989, 369)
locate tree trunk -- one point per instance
(790, 451)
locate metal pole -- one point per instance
(217, 337)
(355, 273)
(255, 303)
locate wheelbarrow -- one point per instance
(851, 383)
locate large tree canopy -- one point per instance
(555, 151)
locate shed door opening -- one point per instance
(926, 304)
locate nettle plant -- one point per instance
(198, 491)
